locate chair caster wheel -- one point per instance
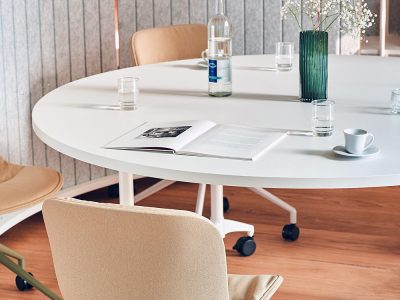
(245, 246)
(226, 204)
(290, 232)
(22, 284)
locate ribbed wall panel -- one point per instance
(47, 43)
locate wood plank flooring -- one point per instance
(349, 246)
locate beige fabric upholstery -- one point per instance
(177, 42)
(253, 287)
(22, 186)
(108, 251)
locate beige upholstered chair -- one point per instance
(177, 42)
(22, 187)
(109, 251)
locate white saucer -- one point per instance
(202, 64)
(370, 151)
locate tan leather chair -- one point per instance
(22, 187)
(154, 45)
(109, 251)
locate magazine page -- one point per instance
(161, 136)
(237, 142)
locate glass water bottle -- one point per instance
(219, 53)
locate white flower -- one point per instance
(354, 16)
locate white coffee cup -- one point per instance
(204, 55)
(357, 140)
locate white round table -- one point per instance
(77, 119)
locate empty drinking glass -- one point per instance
(128, 93)
(323, 116)
(396, 101)
(283, 56)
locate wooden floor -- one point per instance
(349, 246)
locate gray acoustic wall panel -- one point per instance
(47, 43)
(162, 13)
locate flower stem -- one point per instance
(295, 17)
(333, 21)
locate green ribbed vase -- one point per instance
(313, 65)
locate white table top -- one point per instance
(76, 120)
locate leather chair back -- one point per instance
(177, 42)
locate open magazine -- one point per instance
(199, 138)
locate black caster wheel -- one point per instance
(245, 246)
(22, 284)
(290, 232)
(226, 204)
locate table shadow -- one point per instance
(266, 68)
(189, 67)
(92, 87)
(202, 94)
(93, 106)
(373, 110)
(328, 154)
(198, 67)
(265, 97)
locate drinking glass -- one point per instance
(128, 93)
(323, 117)
(283, 56)
(396, 101)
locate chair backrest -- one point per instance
(108, 251)
(177, 42)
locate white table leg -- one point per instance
(277, 201)
(200, 198)
(217, 208)
(126, 189)
(217, 215)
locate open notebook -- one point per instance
(199, 138)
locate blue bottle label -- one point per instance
(212, 70)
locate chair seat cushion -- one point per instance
(28, 186)
(253, 287)
(7, 170)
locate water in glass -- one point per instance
(283, 56)
(128, 92)
(396, 101)
(322, 117)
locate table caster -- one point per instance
(22, 284)
(290, 232)
(226, 204)
(245, 246)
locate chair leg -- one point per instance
(17, 269)
(14, 254)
